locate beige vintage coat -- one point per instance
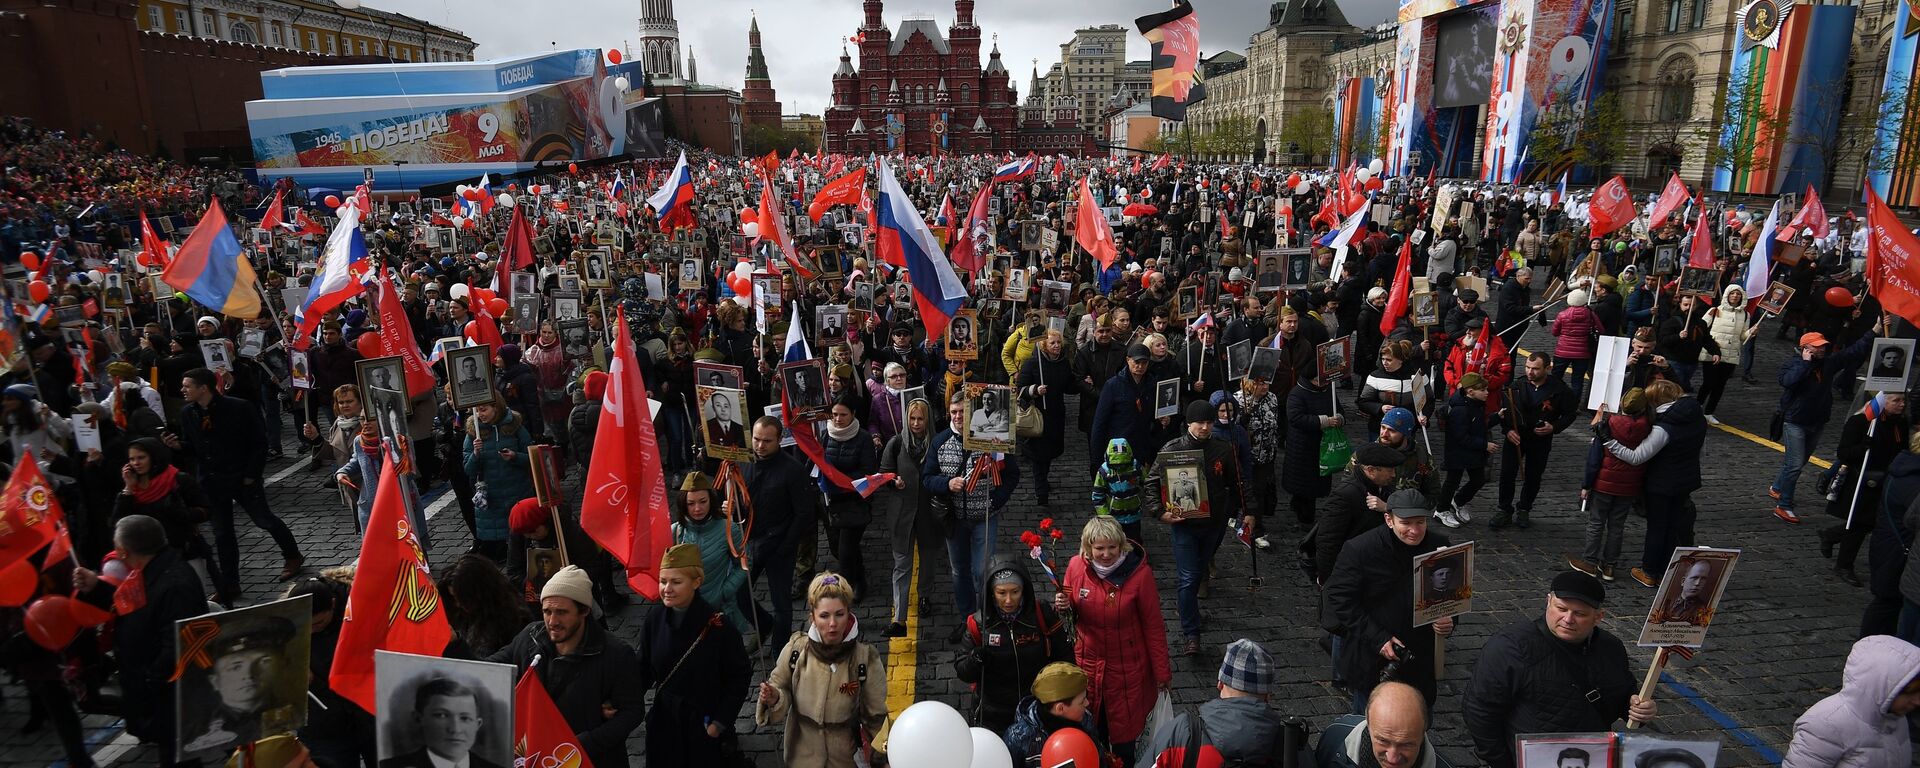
(820, 702)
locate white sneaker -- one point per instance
(1261, 542)
(1463, 512)
(1447, 518)
(1712, 420)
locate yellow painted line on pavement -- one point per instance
(903, 653)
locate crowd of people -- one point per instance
(52, 177)
(189, 406)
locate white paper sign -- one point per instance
(1609, 373)
(86, 437)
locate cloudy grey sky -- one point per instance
(802, 39)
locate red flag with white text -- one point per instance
(1893, 261)
(396, 338)
(1611, 207)
(1670, 200)
(625, 508)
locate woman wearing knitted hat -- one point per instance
(1575, 329)
(694, 656)
(829, 688)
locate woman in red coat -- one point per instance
(1123, 638)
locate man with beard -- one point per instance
(592, 676)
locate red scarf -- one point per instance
(131, 595)
(157, 488)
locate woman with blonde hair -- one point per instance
(909, 511)
(829, 688)
(1123, 638)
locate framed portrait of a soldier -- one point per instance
(1683, 609)
(1442, 583)
(1775, 302)
(442, 712)
(1183, 484)
(963, 336)
(830, 323)
(526, 312)
(1016, 287)
(1266, 363)
(1889, 364)
(1335, 357)
(1239, 359)
(1166, 398)
(1565, 750)
(717, 375)
(382, 374)
(594, 269)
(471, 373)
(723, 422)
(242, 676)
(1700, 281)
(804, 382)
(1646, 750)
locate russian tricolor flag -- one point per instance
(1345, 234)
(1560, 195)
(1760, 267)
(903, 238)
(212, 269)
(1019, 169)
(619, 185)
(342, 264)
(675, 197)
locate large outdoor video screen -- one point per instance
(1463, 58)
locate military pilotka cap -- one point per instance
(263, 633)
(1579, 587)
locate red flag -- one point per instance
(541, 735)
(393, 605)
(396, 338)
(773, 228)
(516, 251)
(1397, 295)
(1611, 207)
(29, 516)
(946, 211)
(1669, 201)
(1136, 164)
(482, 329)
(1812, 217)
(274, 217)
(1091, 230)
(1701, 254)
(151, 244)
(307, 225)
(1893, 272)
(873, 223)
(970, 237)
(844, 190)
(626, 502)
(1160, 162)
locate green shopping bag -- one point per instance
(1334, 450)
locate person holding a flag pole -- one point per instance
(1869, 441)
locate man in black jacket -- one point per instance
(230, 451)
(784, 511)
(1370, 595)
(1355, 506)
(1557, 674)
(1197, 534)
(1536, 408)
(1516, 303)
(1094, 363)
(588, 672)
(143, 635)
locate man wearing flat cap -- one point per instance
(1196, 537)
(248, 662)
(1560, 673)
(592, 676)
(1370, 595)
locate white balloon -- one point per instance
(458, 291)
(505, 200)
(743, 301)
(1301, 188)
(1376, 166)
(461, 190)
(743, 270)
(1362, 175)
(620, 82)
(751, 229)
(930, 734)
(115, 569)
(989, 750)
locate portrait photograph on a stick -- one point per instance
(437, 712)
(242, 676)
(1689, 594)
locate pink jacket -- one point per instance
(1123, 641)
(1574, 328)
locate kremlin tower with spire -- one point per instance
(759, 105)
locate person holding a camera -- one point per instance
(1370, 597)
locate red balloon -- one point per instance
(496, 306)
(613, 55)
(749, 215)
(1070, 744)
(1293, 180)
(573, 167)
(17, 582)
(466, 224)
(741, 285)
(560, 205)
(50, 622)
(472, 330)
(1837, 296)
(369, 345)
(39, 291)
(332, 201)
(1286, 210)
(1374, 184)
(30, 260)
(513, 187)
(483, 295)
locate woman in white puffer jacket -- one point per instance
(1865, 724)
(1728, 325)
